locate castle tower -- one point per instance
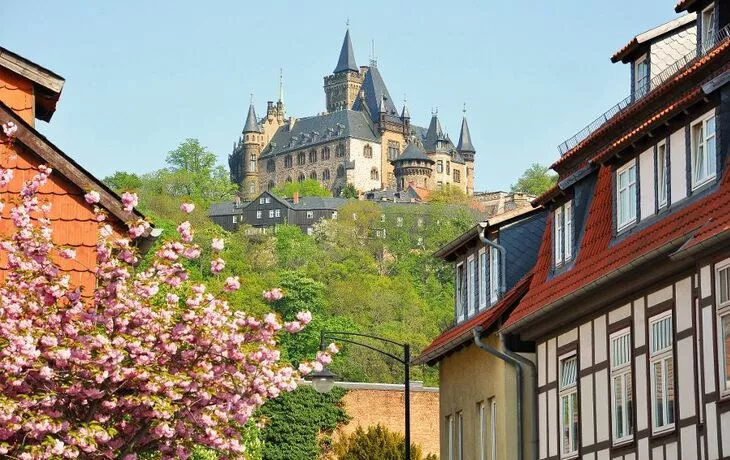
(413, 166)
(249, 154)
(467, 150)
(343, 86)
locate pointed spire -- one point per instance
(281, 85)
(465, 144)
(252, 125)
(435, 132)
(347, 56)
(405, 114)
(381, 104)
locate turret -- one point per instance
(342, 87)
(405, 117)
(249, 154)
(413, 166)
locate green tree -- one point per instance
(350, 192)
(449, 194)
(122, 181)
(193, 173)
(308, 187)
(377, 443)
(535, 181)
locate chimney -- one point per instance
(291, 123)
(295, 198)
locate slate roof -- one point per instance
(317, 202)
(226, 208)
(626, 52)
(319, 129)
(252, 124)
(465, 144)
(374, 89)
(413, 152)
(347, 56)
(461, 334)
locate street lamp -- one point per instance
(324, 380)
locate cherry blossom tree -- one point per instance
(152, 361)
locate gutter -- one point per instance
(518, 371)
(502, 261)
(533, 371)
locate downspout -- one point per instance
(518, 370)
(502, 260)
(533, 371)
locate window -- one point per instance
(325, 153)
(703, 151)
(277, 213)
(367, 151)
(439, 185)
(493, 429)
(288, 161)
(448, 167)
(374, 174)
(313, 175)
(483, 266)
(326, 175)
(252, 163)
(459, 435)
(494, 275)
(460, 292)
(300, 178)
(641, 77)
(473, 285)
(450, 423)
(270, 166)
(393, 150)
(310, 231)
(622, 398)
(334, 215)
(251, 188)
(568, 407)
(626, 195)
(563, 233)
(708, 28)
(482, 431)
(312, 156)
(440, 166)
(258, 214)
(340, 150)
(310, 214)
(301, 158)
(340, 171)
(382, 218)
(261, 200)
(662, 174)
(722, 276)
(235, 220)
(271, 213)
(457, 175)
(662, 372)
(267, 200)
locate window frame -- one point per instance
(494, 274)
(482, 414)
(662, 171)
(271, 213)
(568, 391)
(640, 92)
(704, 39)
(656, 356)
(277, 213)
(483, 267)
(625, 372)
(634, 215)
(450, 424)
(460, 435)
(723, 311)
(459, 289)
(493, 428)
(694, 147)
(472, 286)
(562, 234)
(259, 214)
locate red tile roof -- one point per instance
(599, 256)
(653, 95)
(461, 333)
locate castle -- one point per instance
(362, 139)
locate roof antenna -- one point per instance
(373, 59)
(251, 99)
(347, 23)
(464, 109)
(281, 85)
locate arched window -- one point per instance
(325, 153)
(252, 163)
(367, 151)
(301, 158)
(288, 162)
(313, 175)
(374, 174)
(271, 166)
(288, 180)
(312, 156)
(340, 171)
(326, 175)
(301, 177)
(340, 150)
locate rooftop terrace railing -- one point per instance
(644, 89)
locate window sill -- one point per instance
(664, 433)
(700, 185)
(623, 447)
(569, 456)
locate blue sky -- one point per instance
(141, 76)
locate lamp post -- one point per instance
(324, 380)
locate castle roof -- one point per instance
(465, 144)
(252, 125)
(375, 92)
(347, 56)
(321, 129)
(413, 152)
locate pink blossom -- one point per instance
(232, 284)
(293, 327)
(92, 197)
(187, 208)
(67, 253)
(6, 175)
(10, 129)
(185, 231)
(332, 348)
(217, 265)
(217, 244)
(304, 317)
(129, 200)
(273, 295)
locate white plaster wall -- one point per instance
(586, 410)
(659, 296)
(646, 183)
(602, 405)
(585, 349)
(686, 377)
(639, 315)
(542, 408)
(620, 313)
(683, 304)
(541, 368)
(568, 337)
(551, 360)
(724, 435)
(599, 339)
(667, 51)
(677, 165)
(688, 438)
(360, 176)
(552, 423)
(708, 350)
(711, 427)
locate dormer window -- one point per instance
(563, 233)
(626, 195)
(708, 28)
(641, 77)
(703, 151)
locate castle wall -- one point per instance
(360, 176)
(387, 177)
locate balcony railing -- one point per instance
(644, 89)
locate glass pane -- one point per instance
(723, 277)
(618, 407)
(565, 435)
(568, 372)
(725, 324)
(632, 174)
(658, 394)
(669, 385)
(661, 332)
(574, 422)
(629, 404)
